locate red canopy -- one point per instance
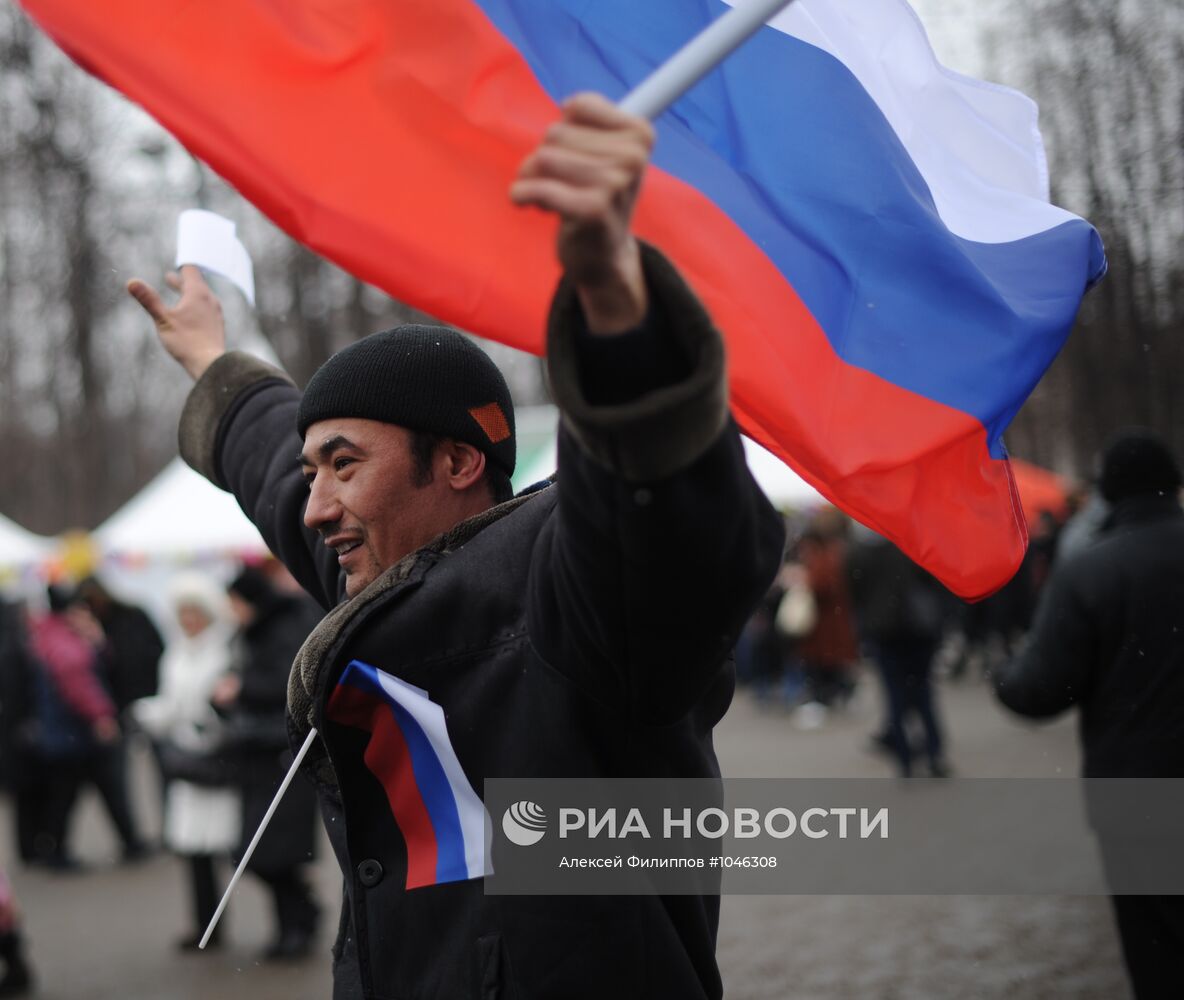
(1040, 490)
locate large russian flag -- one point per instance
(871, 231)
(442, 820)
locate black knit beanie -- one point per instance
(1135, 462)
(424, 378)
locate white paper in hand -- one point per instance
(209, 241)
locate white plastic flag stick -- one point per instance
(698, 57)
(242, 865)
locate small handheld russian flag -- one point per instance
(441, 817)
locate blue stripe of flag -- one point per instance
(429, 776)
(785, 140)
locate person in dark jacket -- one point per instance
(134, 647)
(898, 611)
(582, 630)
(1109, 638)
(254, 698)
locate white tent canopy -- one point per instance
(784, 487)
(179, 513)
(19, 547)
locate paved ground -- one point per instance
(108, 934)
(906, 947)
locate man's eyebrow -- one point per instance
(326, 449)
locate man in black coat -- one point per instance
(253, 697)
(583, 630)
(898, 614)
(131, 659)
(1109, 638)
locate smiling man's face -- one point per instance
(367, 495)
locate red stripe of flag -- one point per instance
(917, 471)
(389, 760)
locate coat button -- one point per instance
(370, 873)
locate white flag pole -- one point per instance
(242, 865)
(698, 57)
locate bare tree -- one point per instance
(1109, 75)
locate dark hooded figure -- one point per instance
(274, 625)
(1109, 638)
(131, 660)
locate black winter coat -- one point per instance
(131, 662)
(1109, 638)
(894, 600)
(258, 735)
(583, 631)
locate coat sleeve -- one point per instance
(238, 429)
(1053, 671)
(662, 544)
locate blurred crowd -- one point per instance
(849, 608)
(1093, 620)
(88, 676)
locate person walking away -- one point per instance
(131, 659)
(898, 610)
(201, 803)
(273, 627)
(1109, 639)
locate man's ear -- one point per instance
(462, 464)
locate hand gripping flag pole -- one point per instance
(647, 100)
(242, 865)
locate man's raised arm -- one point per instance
(663, 543)
(191, 331)
(261, 470)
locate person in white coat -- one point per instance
(201, 810)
